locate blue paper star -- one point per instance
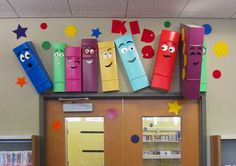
(20, 32)
(96, 32)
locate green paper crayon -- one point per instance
(58, 67)
(203, 85)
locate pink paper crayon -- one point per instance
(73, 69)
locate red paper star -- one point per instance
(21, 81)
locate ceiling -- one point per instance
(118, 8)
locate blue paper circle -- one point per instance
(208, 28)
(135, 138)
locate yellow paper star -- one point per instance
(174, 107)
(221, 49)
(70, 30)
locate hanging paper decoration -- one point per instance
(118, 26)
(56, 125)
(108, 66)
(21, 81)
(90, 65)
(167, 24)
(46, 45)
(165, 60)
(216, 74)
(134, 27)
(58, 67)
(31, 63)
(96, 32)
(148, 52)
(112, 113)
(20, 32)
(73, 69)
(70, 31)
(207, 29)
(203, 84)
(191, 60)
(148, 36)
(174, 107)
(221, 49)
(134, 138)
(130, 59)
(43, 26)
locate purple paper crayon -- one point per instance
(90, 65)
(192, 37)
(73, 69)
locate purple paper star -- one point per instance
(96, 32)
(112, 113)
(20, 32)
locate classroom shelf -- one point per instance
(158, 157)
(162, 141)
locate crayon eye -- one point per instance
(131, 48)
(61, 54)
(172, 49)
(109, 55)
(124, 50)
(192, 53)
(57, 54)
(164, 47)
(204, 50)
(104, 55)
(199, 53)
(22, 58)
(91, 51)
(27, 55)
(69, 60)
(86, 51)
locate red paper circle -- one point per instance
(216, 74)
(56, 125)
(44, 26)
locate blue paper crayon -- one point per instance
(133, 66)
(31, 63)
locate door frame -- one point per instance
(121, 95)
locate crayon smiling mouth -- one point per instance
(73, 67)
(89, 61)
(195, 63)
(108, 65)
(132, 60)
(166, 56)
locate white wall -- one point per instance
(19, 107)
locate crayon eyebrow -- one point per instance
(121, 44)
(26, 49)
(108, 49)
(200, 48)
(18, 54)
(129, 41)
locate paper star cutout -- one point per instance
(221, 49)
(112, 113)
(70, 30)
(96, 32)
(20, 32)
(174, 107)
(21, 81)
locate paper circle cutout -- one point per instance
(167, 24)
(148, 52)
(46, 45)
(135, 138)
(216, 74)
(44, 25)
(56, 125)
(208, 29)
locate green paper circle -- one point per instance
(167, 24)
(46, 45)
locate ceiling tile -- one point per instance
(209, 9)
(6, 10)
(98, 8)
(155, 8)
(41, 8)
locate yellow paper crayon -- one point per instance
(108, 66)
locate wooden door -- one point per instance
(55, 131)
(134, 110)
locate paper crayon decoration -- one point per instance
(203, 85)
(59, 67)
(31, 63)
(165, 60)
(130, 59)
(89, 65)
(192, 37)
(108, 66)
(73, 69)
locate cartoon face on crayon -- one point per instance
(108, 66)
(168, 49)
(59, 56)
(131, 62)
(72, 63)
(31, 63)
(90, 65)
(27, 59)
